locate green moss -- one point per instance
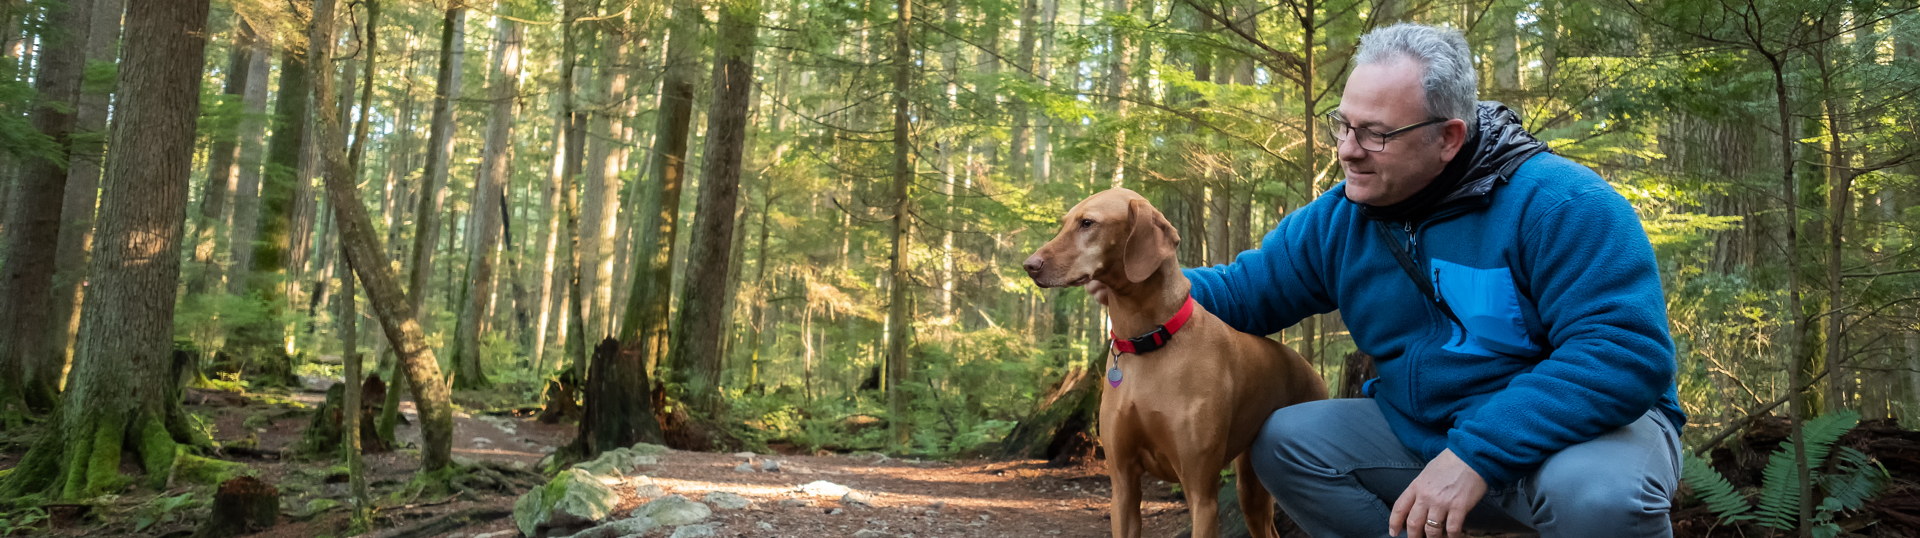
(157, 451)
(188, 468)
(76, 476)
(103, 469)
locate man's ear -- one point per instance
(1150, 242)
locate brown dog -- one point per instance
(1181, 411)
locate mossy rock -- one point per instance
(575, 498)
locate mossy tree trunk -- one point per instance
(119, 400)
(367, 257)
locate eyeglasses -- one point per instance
(1339, 129)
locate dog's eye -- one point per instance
(1086, 223)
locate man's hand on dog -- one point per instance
(1443, 494)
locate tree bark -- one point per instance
(223, 167)
(262, 338)
(244, 219)
(898, 323)
(433, 189)
(486, 223)
(367, 257)
(644, 326)
(122, 396)
(32, 229)
(700, 327)
(83, 192)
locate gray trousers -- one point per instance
(1337, 469)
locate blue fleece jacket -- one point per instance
(1561, 333)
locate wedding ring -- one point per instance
(1434, 524)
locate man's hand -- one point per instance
(1099, 291)
(1443, 494)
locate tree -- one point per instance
(83, 190)
(367, 257)
(32, 229)
(122, 395)
(898, 324)
(485, 224)
(698, 334)
(644, 327)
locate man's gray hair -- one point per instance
(1452, 87)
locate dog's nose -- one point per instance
(1033, 265)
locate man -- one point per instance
(1512, 305)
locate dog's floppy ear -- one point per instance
(1151, 241)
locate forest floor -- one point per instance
(909, 498)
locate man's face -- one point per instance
(1384, 97)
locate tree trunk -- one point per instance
(615, 416)
(700, 327)
(244, 220)
(433, 187)
(83, 192)
(1043, 69)
(486, 223)
(262, 338)
(223, 167)
(32, 231)
(122, 395)
(898, 324)
(355, 411)
(367, 257)
(550, 241)
(644, 326)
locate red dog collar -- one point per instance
(1156, 339)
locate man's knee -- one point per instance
(1589, 496)
(1303, 434)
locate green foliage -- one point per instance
(26, 519)
(1855, 479)
(162, 509)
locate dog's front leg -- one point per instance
(1124, 468)
(1202, 485)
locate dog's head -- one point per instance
(1112, 236)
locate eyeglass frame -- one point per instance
(1335, 121)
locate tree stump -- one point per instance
(326, 433)
(242, 505)
(618, 412)
(1057, 430)
(1359, 369)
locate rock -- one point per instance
(869, 533)
(747, 455)
(726, 501)
(770, 466)
(937, 505)
(574, 498)
(482, 441)
(517, 465)
(648, 449)
(855, 498)
(648, 491)
(835, 512)
(875, 457)
(606, 471)
(824, 489)
(463, 461)
(673, 510)
(794, 503)
(499, 534)
(315, 507)
(620, 529)
(745, 468)
(763, 526)
(694, 531)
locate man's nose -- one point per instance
(1349, 149)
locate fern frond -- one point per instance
(1859, 477)
(1711, 487)
(1780, 484)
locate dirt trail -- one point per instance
(909, 498)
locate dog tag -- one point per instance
(1113, 376)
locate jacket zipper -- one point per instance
(1440, 300)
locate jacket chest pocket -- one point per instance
(1488, 306)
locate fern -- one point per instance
(1857, 480)
(1715, 490)
(1780, 484)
